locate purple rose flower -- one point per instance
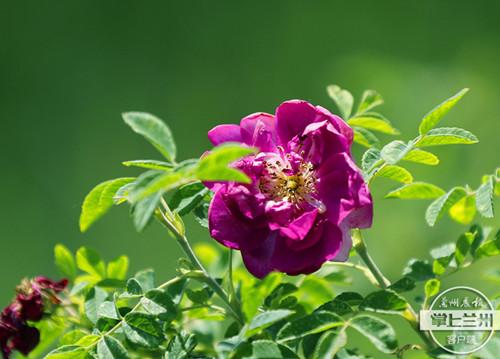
(305, 196)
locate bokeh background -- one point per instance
(68, 69)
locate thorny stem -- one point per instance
(211, 282)
(409, 314)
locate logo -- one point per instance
(461, 320)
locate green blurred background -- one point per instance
(68, 69)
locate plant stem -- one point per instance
(409, 314)
(365, 271)
(211, 282)
(360, 247)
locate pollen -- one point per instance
(281, 182)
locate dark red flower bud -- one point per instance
(25, 339)
(32, 299)
(45, 283)
(31, 306)
(5, 334)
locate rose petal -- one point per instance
(320, 141)
(257, 254)
(292, 117)
(345, 194)
(224, 133)
(226, 224)
(258, 130)
(328, 242)
(298, 229)
(338, 123)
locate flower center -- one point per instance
(282, 181)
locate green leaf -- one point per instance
(263, 320)
(176, 290)
(365, 138)
(118, 268)
(89, 261)
(351, 298)
(418, 270)
(281, 291)
(329, 344)
(489, 248)
(108, 310)
(160, 303)
(110, 348)
(187, 197)
(159, 184)
(321, 288)
(464, 210)
(484, 198)
(68, 352)
(447, 136)
(215, 165)
(395, 173)
(134, 287)
(431, 287)
(267, 349)
(100, 200)
(435, 115)
(87, 340)
(72, 337)
(443, 204)
(443, 256)
(420, 156)
(313, 323)
(111, 283)
(93, 300)
(201, 214)
(199, 296)
(378, 331)
(463, 246)
(336, 306)
(122, 194)
(373, 122)
(369, 159)
(146, 278)
(394, 151)
(342, 98)
(149, 164)
(416, 190)
(154, 130)
(384, 301)
(351, 354)
(144, 322)
(65, 261)
(369, 100)
(181, 346)
(143, 210)
(480, 235)
(143, 330)
(405, 284)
